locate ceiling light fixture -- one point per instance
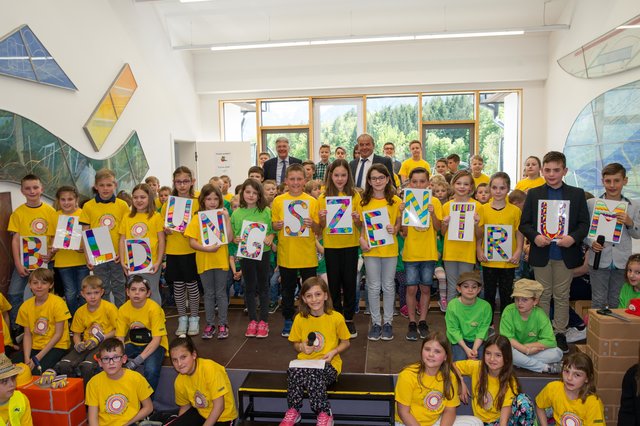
(629, 27)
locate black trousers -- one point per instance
(342, 273)
(191, 417)
(289, 281)
(500, 279)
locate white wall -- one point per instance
(566, 95)
(91, 40)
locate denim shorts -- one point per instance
(419, 272)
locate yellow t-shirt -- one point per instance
(177, 243)
(208, 382)
(118, 401)
(68, 258)
(149, 316)
(27, 220)
(480, 179)
(207, 260)
(509, 215)
(526, 183)
(157, 203)
(488, 413)
(460, 251)
(296, 252)
(567, 412)
(25, 420)
(329, 329)
(390, 250)
(143, 226)
(426, 401)
(97, 214)
(41, 320)
(341, 240)
(102, 319)
(409, 164)
(420, 243)
(228, 196)
(5, 306)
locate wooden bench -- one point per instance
(362, 387)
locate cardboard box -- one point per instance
(609, 379)
(612, 347)
(616, 364)
(57, 407)
(607, 327)
(76, 417)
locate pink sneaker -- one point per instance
(404, 311)
(263, 330)
(324, 419)
(223, 332)
(291, 417)
(443, 304)
(251, 329)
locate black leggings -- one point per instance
(191, 417)
(342, 273)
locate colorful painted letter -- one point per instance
(139, 255)
(498, 242)
(213, 228)
(375, 223)
(461, 222)
(416, 210)
(604, 220)
(252, 238)
(98, 245)
(179, 212)
(339, 220)
(295, 212)
(68, 233)
(33, 248)
(553, 218)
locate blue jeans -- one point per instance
(72, 279)
(419, 272)
(152, 364)
(460, 355)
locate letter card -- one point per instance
(375, 223)
(416, 207)
(295, 212)
(498, 242)
(139, 259)
(213, 227)
(33, 248)
(252, 238)
(553, 218)
(178, 214)
(604, 220)
(68, 233)
(98, 245)
(461, 223)
(339, 220)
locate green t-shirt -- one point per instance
(467, 322)
(626, 294)
(537, 328)
(252, 215)
(400, 264)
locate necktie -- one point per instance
(284, 169)
(360, 173)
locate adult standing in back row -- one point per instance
(361, 166)
(274, 168)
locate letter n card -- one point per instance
(213, 227)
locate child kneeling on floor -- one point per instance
(318, 333)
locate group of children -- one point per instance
(132, 331)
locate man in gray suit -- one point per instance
(359, 168)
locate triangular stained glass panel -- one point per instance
(22, 55)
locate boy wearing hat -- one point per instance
(14, 405)
(529, 329)
(468, 318)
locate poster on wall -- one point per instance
(339, 219)
(139, 259)
(252, 237)
(68, 233)
(229, 158)
(498, 242)
(604, 220)
(34, 247)
(461, 222)
(553, 218)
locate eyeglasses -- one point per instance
(182, 182)
(377, 178)
(107, 360)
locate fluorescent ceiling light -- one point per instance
(192, 1)
(437, 36)
(260, 45)
(628, 27)
(361, 40)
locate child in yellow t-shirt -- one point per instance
(572, 400)
(202, 389)
(296, 253)
(5, 308)
(45, 320)
(93, 322)
(117, 396)
(14, 405)
(532, 167)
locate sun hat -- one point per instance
(7, 369)
(527, 288)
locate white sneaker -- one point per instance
(194, 326)
(574, 335)
(183, 323)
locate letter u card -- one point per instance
(252, 238)
(68, 233)
(461, 222)
(98, 245)
(553, 218)
(33, 248)
(139, 259)
(416, 207)
(178, 214)
(498, 242)
(604, 220)
(375, 223)
(295, 212)
(213, 227)
(339, 219)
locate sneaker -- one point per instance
(367, 311)
(561, 340)
(252, 329)
(412, 334)
(554, 368)
(183, 325)
(324, 419)
(395, 312)
(291, 417)
(492, 332)
(574, 335)
(423, 329)
(351, 326)
(223, 331)
(404, 311)
(442, 303)
(263, 330)
(418, 312)
(375, 332)
(273, 307)
(194, 326)
(208, 332)
(387, 332)
(287, 328)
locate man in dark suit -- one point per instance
(274, 168)
(553, 260)
(360, 167)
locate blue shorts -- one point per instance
(420, 272)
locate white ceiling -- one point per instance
(213, 22)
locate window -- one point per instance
(448, 107)
(284, 113)
(240, 124)
(444, 139)
(298, 142)
(498, 133)
(338, 122)
(393, 119)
